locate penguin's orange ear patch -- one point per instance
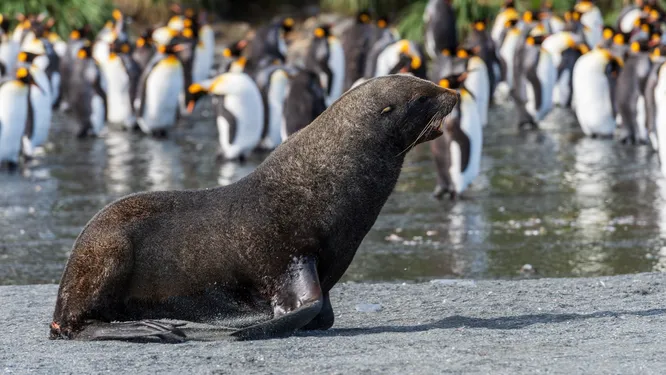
(82, 54)
(445, 83)
(635, 47)
(21, 73)
(319, 32)
(226, 52)
(22, 57)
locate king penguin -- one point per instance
(594, 77)
(88, 89)
(144, 48)
(565, 48)
(476, 80)
(15, 115)
(458, 153)
(630, 91)
(240, 114)
(305, 100)
(122, 74)
(157, 102)
(272, 82)
(440, 27)
(533, 79)
(9, 49)
(326, 58)
(269, 44)
(658, 57)
(40, 101)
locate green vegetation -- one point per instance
(68, 13)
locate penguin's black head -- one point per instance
(172, 48)
(535, 40)
(287, 24)
(621, 39)
(26, 57)
(479, 25)
(322, 32)
(511, 23)
(407, 63)
(85, 52)
(23, 75)
(383, 22)
(118, 47)
(194, 93)
(4, 24)
(464, 53)
(454, 82)
(641, 46)
(235, 49)
(509, 4)
(659, 52)
(363, 17)
(145, 38)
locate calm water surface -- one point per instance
(568, 205)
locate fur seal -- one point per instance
(272, 244)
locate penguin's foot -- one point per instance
(439, 192)
(241, 159)
(629, 139)
(9, 165)
(82, 133)
(161, 133)
(453, 196)
(525, 123)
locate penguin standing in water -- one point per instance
(144, 49)
(594, 77)
(440, 27)
(658, 57)
(269, 45)
(157, 102)
(458, 153)
(122, 75)
(533, 79)
(88, 93)
(630, 91)
(304, 101)
(76, 41)
(356, 44)
(40, 100)
(476, 80)
(660, 113)
(512, 38)
(240, 115)
(272, 82)
(326, 58)
(15, 115)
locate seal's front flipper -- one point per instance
(296, 304)
(137, 331)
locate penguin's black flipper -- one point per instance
(140, 98)
(30, 120)
(97, 86)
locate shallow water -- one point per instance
(567, 205)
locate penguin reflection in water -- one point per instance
(88, 93)
(457, 154)
(239, 113)
(16, 115)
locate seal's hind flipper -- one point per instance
(284, 325)
(136, 331)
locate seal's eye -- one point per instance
(423, 99)
(387, 110)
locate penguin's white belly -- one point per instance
(641, 119)
(470, 124)
(100, 50)
(97, 114)
(248, 114)
(202, 64)
(336, 62)
(593, 107)
(628, 22)
(660, 116)
(276, 95)
(595, 26)
(118, 93)
(55, 87)
(9, 50)
(163, 88)
(478, 84)
(13, 117)
(507, 52)
(42, 108)
(562, 90)
(60, 48)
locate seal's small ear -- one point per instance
(387, 110)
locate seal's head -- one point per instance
(407, 109)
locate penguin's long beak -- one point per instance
(190, 105)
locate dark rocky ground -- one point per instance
(610, 325)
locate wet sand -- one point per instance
(608, 325)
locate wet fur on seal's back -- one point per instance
(317, 195)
